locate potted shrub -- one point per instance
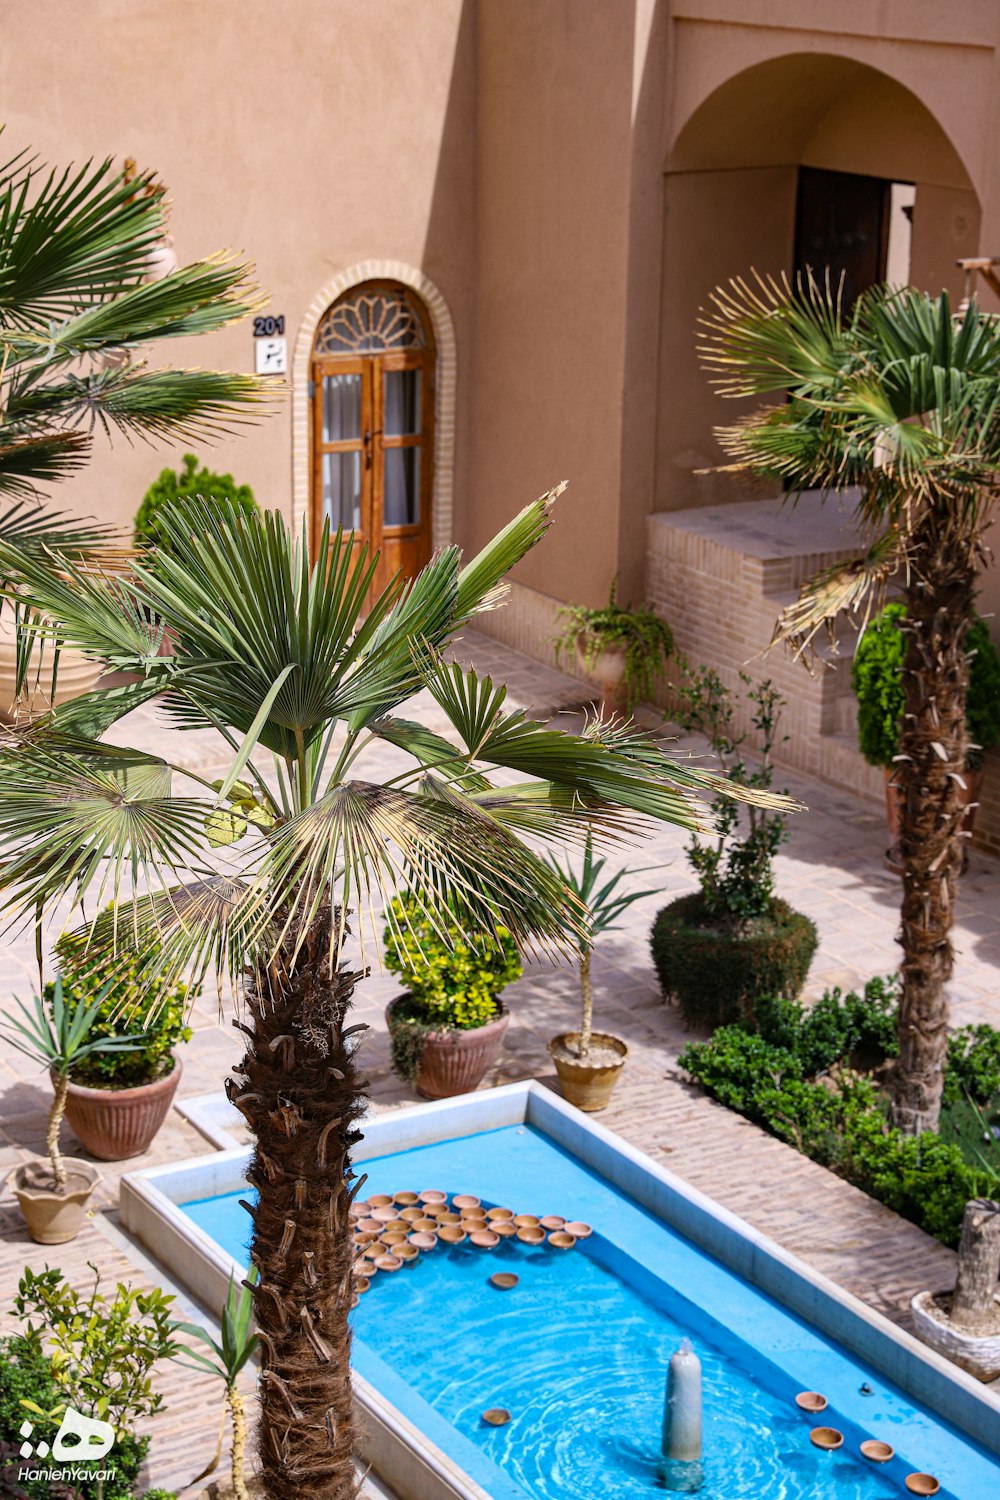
(116, 1100)
(447, 1030)
(876, 676)
(620, 650)
(588, 1062)
(733, 939)
(171, 487)
(964, 1325)
(59, 1035)
(36, 674)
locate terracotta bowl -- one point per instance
(450, 1234)
(578, 1229)
(358, 1210)
(811, 1401)
(499, 1213)
(474, 1213)
(380, 1200)
(433, 1195)
(410, 1215)
(465, 1200)
(446, 1216)
(504, 1280)
(385, 1215)
(471, 1225)
(360, 1268)
(389, 1263)
(404, 1199)
(374, 1226)
(365, 1236)
(428, 1226)
(526, 1221)
(484, 1239)
(922, 1484)
(390, 1241)
(876, 1451)
(423, 1241)
(552, 1221)
(361, 1285)
(497, 1416)
(561, 1239)
(826, 1437)
(407, 1253)
(531, 1234)
(503, 1227)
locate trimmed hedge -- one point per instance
(716, 976)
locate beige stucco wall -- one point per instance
(309, 137)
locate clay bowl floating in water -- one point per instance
(422, 1240)
(922, 1484)
(503, 1227)
(451, 1234)
(504, 1280)
(428, 1226)
(364, 1237)
(380, 1200)
(526, 1221)
(389, 1263)
(390, 1241)
(876, 1451)
(479, 1214)
(361, 1285)
(811, 1401)
(375, 1226)
(432, 1195)
(471, 1225)
(531, 1234)
(385, 1215)
(484, 1239)
(410, 1215)
(408, 1254)
(578, 1229)
(446, 1216)
(497, 1416)
(561, 1239)
(499, 1213)
(360, 1268)
(464, 1200)
(358, 1210)
(552, 1221)
(405, 1199)
(826, 1437)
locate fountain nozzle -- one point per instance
(680, 1468)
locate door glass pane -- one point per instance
(402, 487)
(342, 490)
(402, 403)
(341, 408)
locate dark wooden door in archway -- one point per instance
(372, 406)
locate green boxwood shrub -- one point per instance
(171, 487)
(769, 1076)
(717, 975)
(122, 1014)
(878, 684)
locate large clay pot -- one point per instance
(604, 666)
(967, 798)
(114, 1124)
(587, 1084)
(53, 1218)
(77, 674)
(455, 1062)
(978, 1356)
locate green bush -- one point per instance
(973, 1067)
(453, 984)
(647, 639)
(717, 975)
(122, 1014)
(857, 1027)
(877, 681)
(841, 1123)
(26, 1375)
(171, 487)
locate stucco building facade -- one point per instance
(554, 186)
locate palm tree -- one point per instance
(899, 397)
(256, 875)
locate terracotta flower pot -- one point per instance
(455, 1062)
(53, 1218)
(587, 1084)
(114, 1124)
(604, 666)
(77, 674)
(967, 798)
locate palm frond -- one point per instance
(27, 525)
(855, 587)
(765, 336)
(481, 583)
(30, 459)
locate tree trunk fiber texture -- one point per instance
(52, 1133)
(587, 997)
(238, 1414)
(301, 1096)
(931, 763)
(973, 1309)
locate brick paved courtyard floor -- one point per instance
(831, 869)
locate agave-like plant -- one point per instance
(256, 875)
(229, 1353)
(900, 397)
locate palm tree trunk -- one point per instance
(301, 1097)
(587, 997)
(238, 1414)
(973, 1306)
(933, 748)
(52, 1133)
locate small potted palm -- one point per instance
(620, 650)
(117, 1099)
(58, 1036)
(226, 1359)
(447, 1030)
(589, 1062)
(877, 679)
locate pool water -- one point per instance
(578, 1350)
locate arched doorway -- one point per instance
(371, 388)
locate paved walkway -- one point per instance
(831, 869)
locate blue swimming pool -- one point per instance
(577, 1351)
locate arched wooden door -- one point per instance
(372, 419)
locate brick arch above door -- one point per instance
(444, 404)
